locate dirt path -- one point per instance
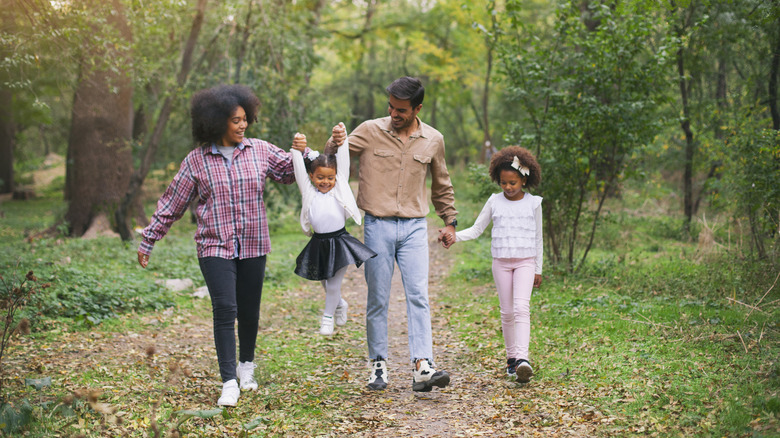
(478, 401)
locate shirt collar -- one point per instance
(420, 132)
(213, 149)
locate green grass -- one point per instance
(102, 278)
(648, 331)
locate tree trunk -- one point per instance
(685, 125)
(7, 125)
(487, 141)
(774, 73)
(101, 129)
(7, 141)
(136, 181)
(244, 41)
(363, 97)
(721, 99)
(491, 39)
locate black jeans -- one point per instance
(235, 287)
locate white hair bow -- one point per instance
(312, 155)
(520, 168)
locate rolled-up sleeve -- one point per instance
(442, 192)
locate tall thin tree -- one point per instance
(138, 177)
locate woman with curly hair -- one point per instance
(226, 175)
(516, 247)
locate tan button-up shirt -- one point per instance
(391, 179)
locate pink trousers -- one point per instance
(515, 280)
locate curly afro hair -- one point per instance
(502, 160)
(210, 110)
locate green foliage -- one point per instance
(14, 416)
(751, 183)
(591, 95)
(480, 185)
(92, 295)
(87, 285)
(650, 330)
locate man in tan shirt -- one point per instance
(395, 154)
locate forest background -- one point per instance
(625, 103)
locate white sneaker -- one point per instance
(341, 313)
(378, 378)
(230, 393)
(246, 375)
(426, 377)
(326, 329)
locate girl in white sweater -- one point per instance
(516, 248)
(327, 202)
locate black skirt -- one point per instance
(328, 252)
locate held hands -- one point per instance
(338, 134)
(143, 259)
(299, 142)
(447, 236)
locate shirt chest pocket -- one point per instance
(384, 161)
(419, 164)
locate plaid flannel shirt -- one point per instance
(231, 212)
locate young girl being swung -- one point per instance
(516, 248)
(323, 180)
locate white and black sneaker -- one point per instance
(377, 381)
(340, 315)
(425, 377)
(511, 366)
(523, 371)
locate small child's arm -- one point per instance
(297, 150)
(483, 220)
(539, 259)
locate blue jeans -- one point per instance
(404, 241)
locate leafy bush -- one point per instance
(752, 182)
(91, 280)
(718, 278)
(480, 185)
(92, 296)
(600, 93)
